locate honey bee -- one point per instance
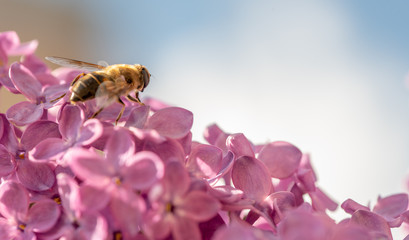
(105, 84)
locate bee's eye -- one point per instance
(144, 71)
(129, 81)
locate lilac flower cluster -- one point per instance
(65, 176)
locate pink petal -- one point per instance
(14, 200)
(185, 229)
(240, 145)
(145, 169)
(320, 201)
(198, 206)
(9, 40)
(25, 81)
(257, 148)
(392, 206)
(127, 208)
(110, 113)
(307, 179)
(171, 122)
(70, 121)
(169, 150)
(405, 216)
(27, 235)
(176, 178)
(300, 224)
(119, 147)
(90, 166)
(10, 43)
(227, 164)
(205, 161)
(54, 91)
(251, 176)
(237, 232)
(62, 228)
(37, 132)
(68, 191)
(66, 75)
(93, 226)
(371, 221)
(43, 215)
(92, 198)
(238, 229)
(107, 130)
(35, 64)
(6, 162)
(138, 117)
(6, 81)
(24, 113)
(9, 136)
(90, 131)
(157, 225)
(227, 194)
(35, 176)
(215, 136)
(6, 231)
(298, 194)
(284, 184)
(350, 206)
(49, 149)
(306, 164)
(281, 201)
(281, 158)
(209, 227)
(186, 143)
(395, 222)
(240, 205)
(212, 133)
(155, 104)
(351, 232)
(24, 48)
(144, 135)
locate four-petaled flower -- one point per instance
(10, 46)
(176, 209)
(25, 218)
(39, 96)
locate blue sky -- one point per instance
(327, 76)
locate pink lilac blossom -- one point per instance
(10, 46)
(65, 176)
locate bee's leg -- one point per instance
(129, 97)
(121, 112)
(97, 112)
(55, 100)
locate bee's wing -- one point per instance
(66, 62)
(108, 92)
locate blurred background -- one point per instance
(328, 77)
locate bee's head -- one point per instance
(144, 76)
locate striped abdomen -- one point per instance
(86, 87)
